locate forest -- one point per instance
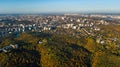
(59, 50)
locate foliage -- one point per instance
(58, 51)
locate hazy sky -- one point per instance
(47, 6)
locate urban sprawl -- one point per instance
(76, 25)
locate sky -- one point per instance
(65, 6)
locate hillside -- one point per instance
(52, 50)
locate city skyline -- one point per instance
(61, 6)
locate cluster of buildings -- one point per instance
(9, 48)
(25, 23)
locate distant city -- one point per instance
(23, 23)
